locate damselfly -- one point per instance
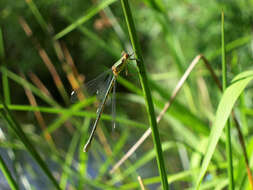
(110, 84)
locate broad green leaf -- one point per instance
(225, 106)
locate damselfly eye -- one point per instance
(126, 55)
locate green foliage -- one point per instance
(40, 41)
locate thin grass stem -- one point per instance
(8, 175)
(227, 126)
(5, 82)
(146, 92)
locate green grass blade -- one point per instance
(6, 88)
(93, 11)
(154, 5)
(242, 41)
(227, 126)
(88, 182)
(100, 42)
(1, 46)
(31, 87)
(118, 147)
(181, 176)
(223, 56)
(37, 15)
(83, 158)
(225, 106)
(178, 110)
(146, 91)
(142, 161)
(69, 158)
(8, 175)
(77, 113)
(66, 115)
(6, 114)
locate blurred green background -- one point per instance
(34, 51)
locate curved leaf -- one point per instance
(225, 106)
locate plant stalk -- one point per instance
(227, 126)
(146, 92)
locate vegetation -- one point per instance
(188, 87)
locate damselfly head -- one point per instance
(125, 56)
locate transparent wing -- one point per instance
(96, 86)
(99, 112)
(99, 85)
